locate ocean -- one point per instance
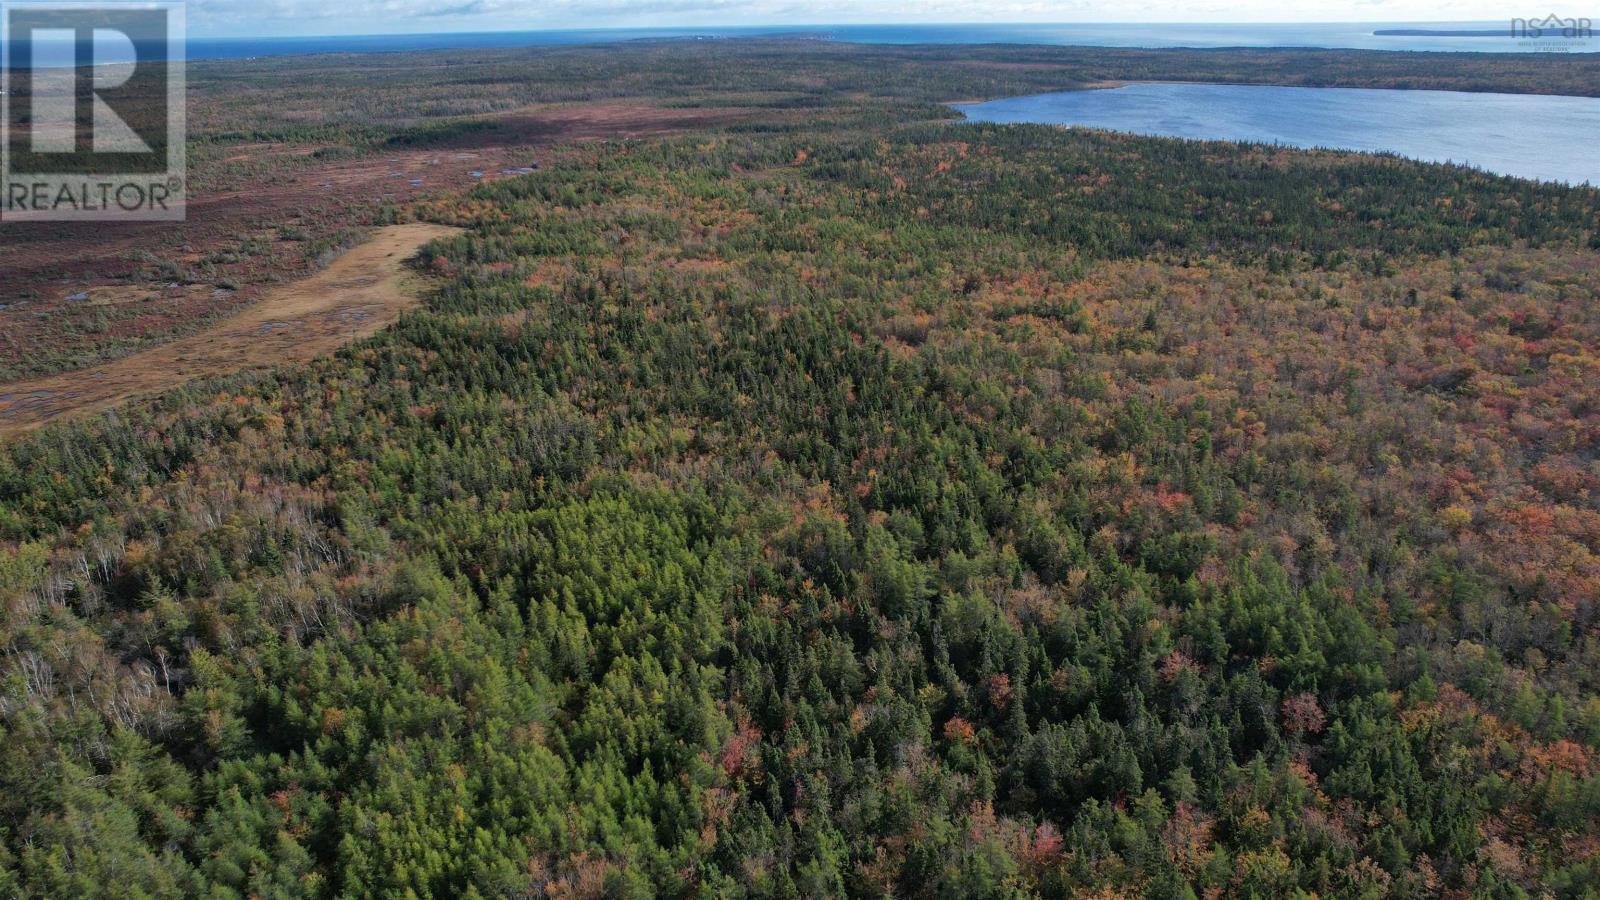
(1344, 35)
(1495, 37)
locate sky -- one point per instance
(326, 17)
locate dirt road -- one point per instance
(363, 290)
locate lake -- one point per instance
(1544, 138)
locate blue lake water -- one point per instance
(1545, 138)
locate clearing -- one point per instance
(361, 291)
(261, 213)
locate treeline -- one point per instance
(1107, 194)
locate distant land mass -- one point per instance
(1436, 32)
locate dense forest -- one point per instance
(853, 505)
(281, 142)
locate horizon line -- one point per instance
(800, 28)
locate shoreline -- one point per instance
(1113, 85)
